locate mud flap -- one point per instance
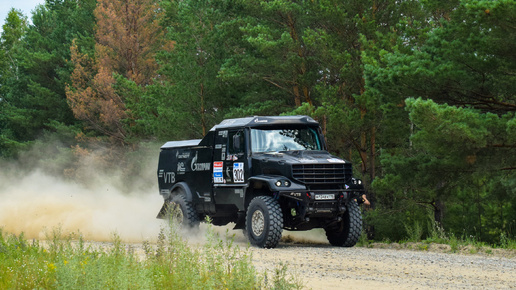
(163, 212)
(240, 224)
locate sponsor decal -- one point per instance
(199, 166)
(169, 177)
(232, 158)
(223, 153)
(217, 172)
(238, 172)
(183, 155)
(260, 121)
(181, 167)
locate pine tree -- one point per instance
(34, 88)
(126, 40)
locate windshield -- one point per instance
(284, 139)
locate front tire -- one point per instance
(347, 232)
(264, 222)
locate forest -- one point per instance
(419, 94)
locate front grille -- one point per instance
(322, 173)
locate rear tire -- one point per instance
(264, 222)
(182, 212)
(347, 232)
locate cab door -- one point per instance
(229, 167)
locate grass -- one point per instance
(436, 239)
(69, 263)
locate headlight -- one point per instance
(356, 181)
(282, 183)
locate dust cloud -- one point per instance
(36, 204)
(88, 197)
(315, 236)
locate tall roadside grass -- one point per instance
(435, 237)
(436, 234)
(430, 236)
(70, 263)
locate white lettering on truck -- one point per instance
(199, 166)
(169, 177)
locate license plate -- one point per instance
(324, 196)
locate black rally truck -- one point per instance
(264, 174)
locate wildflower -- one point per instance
(51, 267)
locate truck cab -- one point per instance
(263, 174)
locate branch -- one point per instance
(277, 85)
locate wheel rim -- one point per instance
(258, 223)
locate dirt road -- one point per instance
(322, 266)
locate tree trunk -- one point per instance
(203, 119)
(438, 212)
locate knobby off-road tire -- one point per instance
(264, 222)
(347, 232)
(182, 212)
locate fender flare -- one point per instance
(270, 181)
(184, 187)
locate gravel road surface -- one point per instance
(326, 267)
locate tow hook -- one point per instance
(337, 220)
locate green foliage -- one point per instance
(460, 143)
(457, 160)
(68, 262)
(33, 83)
(188, 98)
(414, 232)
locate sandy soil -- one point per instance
(310, 258)
(321, 266)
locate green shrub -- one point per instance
(67, 263)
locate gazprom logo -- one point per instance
(199, 166)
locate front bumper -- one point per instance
(320, 203)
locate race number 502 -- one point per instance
(238, 172)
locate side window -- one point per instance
(236, 142)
